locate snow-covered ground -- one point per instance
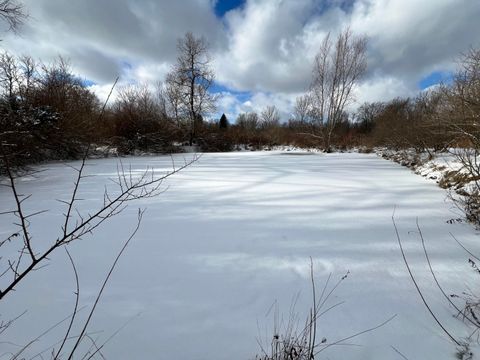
(448, 169)
(231, 237)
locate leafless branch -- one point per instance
(425, 302)
(13, 13)
(75, 309)
(112, 268)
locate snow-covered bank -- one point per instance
(233, 235)
(450, 170)
(434, 166)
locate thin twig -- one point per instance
(357, 334)
(398, 352)
(75, 309)
(90, 315)
(418, 288)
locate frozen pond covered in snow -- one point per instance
(232, 236)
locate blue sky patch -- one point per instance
(435, 78)
(321, 7)
(223, 6)
(88, 82)
(242, 96)
(126, 65)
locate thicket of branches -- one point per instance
(46, 112)
(23, 252)
(12, 13)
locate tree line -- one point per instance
(46, 112)
(437, 119)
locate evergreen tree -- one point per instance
(223, 124)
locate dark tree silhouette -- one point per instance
(223, 124)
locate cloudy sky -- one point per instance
(262, 49)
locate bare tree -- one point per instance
(303, 108)
(13, 13)
(9, 75)
(248, 121)
(28, 69)
(161, 99)
(462, 110)
(270, 117)
(190, 80)
(137, 99)
(270, 125)
(338, 67)
(17, 75)
(174, 99)
(367, 114)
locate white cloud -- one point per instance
(382, 88)
(266, 51)
(232, 106)
(265, 47)
(408, 40)
(103, 91)
(93, 33)
(150, 72)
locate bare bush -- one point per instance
(50, 107)
(295, 340)
(460, 117)
(140, 121)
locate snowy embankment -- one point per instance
(231, 238)
(436, 166)
(447, 169)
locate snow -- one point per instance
(233, 235)
(444, 168)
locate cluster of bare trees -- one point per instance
(255, 131)
(155, 119)
(58, 115)
(138, 120)
(437, 119)
(434, 120)
(319, 117)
